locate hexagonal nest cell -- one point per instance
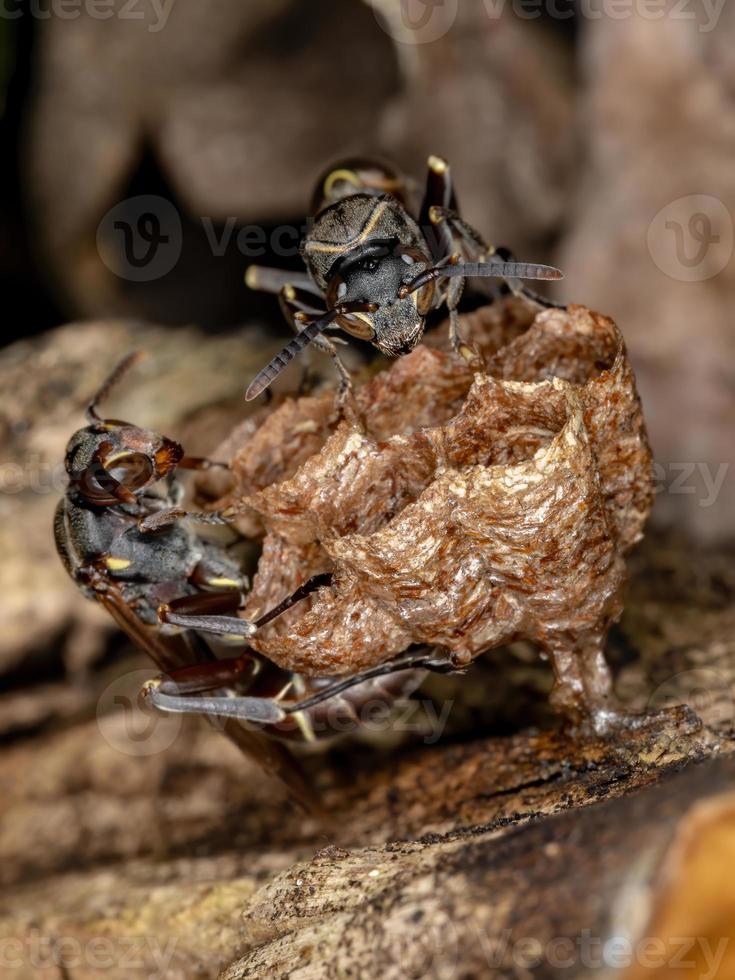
(463, 503)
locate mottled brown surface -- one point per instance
(188, 853)
(457, 509)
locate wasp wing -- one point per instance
(169, 652)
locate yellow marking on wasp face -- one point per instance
(438, 165)
(366, 318)
(117, 564)
(366, 332)
(225, 583)
(123, 454)
(348, 246)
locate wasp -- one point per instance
(127, 542)
(377, 272)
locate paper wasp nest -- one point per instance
(466, 508)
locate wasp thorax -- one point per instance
(354, 176)
(353, 223)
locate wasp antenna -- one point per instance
(265, 378)
(122, 368)
(263, 278)
(314, 583)
(302, 339)
(502, 270)
(233, 625)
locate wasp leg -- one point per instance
(174, 692)
(457, 241)
(440, 194)
(207, 604)
(180, 692)
(475, 249)
(262, 278)
(296, 304)
(179, 612)
(162, 520)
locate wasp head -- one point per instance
(375, 273)
(112, 462)
(363, 249)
